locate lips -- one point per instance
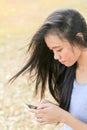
(62, 62)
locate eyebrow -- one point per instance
(55, 47)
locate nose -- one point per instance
(57, 56)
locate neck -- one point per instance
(81, 71)
(82, 61)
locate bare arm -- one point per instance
(74, 122)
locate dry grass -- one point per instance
(18, 21)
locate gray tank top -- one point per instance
(78, 104)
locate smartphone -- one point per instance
(31, 106)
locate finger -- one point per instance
(44, 105)
(40, 120)
(44, 101)
(33, 110)
(38, 116)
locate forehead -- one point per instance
(54, 41)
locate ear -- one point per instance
(80, 35)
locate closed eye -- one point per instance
(59, 50)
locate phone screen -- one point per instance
(31, 106)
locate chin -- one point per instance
(68, 65)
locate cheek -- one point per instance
(66, 55)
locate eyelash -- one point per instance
(59, 50)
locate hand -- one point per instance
(48, 113)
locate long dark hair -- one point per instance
(66, 23)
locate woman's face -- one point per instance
(62, 49)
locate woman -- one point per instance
(59, 58)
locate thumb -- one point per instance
(43, 105)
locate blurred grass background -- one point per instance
(19, 19)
